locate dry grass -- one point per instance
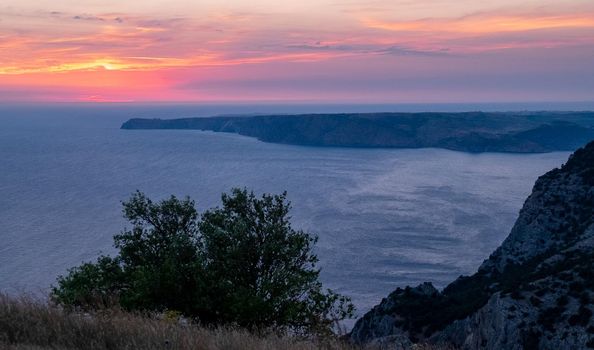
(29, 324)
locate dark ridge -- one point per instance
(527, 132)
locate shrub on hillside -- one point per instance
(240, 264)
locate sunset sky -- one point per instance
(394, 51)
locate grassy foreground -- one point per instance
(29, 324)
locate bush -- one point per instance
(241, 264)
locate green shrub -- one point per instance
(241, 264)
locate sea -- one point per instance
(385, 218)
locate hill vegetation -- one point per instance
(241, 264)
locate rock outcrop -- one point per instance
(536, 291)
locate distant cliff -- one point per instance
(528, 132)
(536, 291)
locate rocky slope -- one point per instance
(536, 291)
(471, 132)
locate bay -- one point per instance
(386, 218)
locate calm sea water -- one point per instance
(386, 218)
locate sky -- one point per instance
(374, 51)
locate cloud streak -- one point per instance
(485, 23)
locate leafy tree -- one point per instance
(156, 267)
(239, 264)
(96, 284)
(159, 254)
(261, 271)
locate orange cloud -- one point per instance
(488, 31)
(137, 44)
(484, 24)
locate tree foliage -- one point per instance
(240, 264)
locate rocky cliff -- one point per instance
(536, 291)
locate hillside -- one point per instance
(528, 132)
(535, 291)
